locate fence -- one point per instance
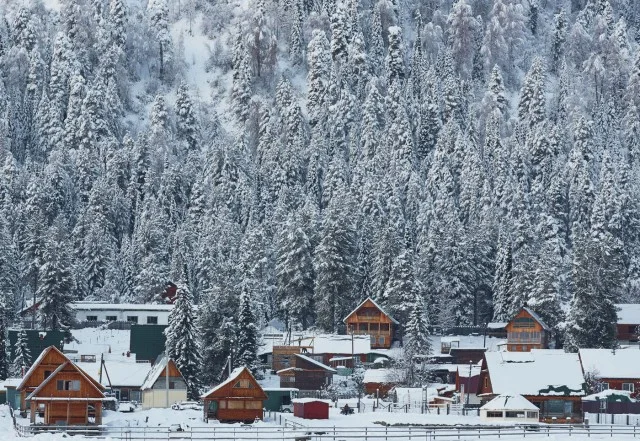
(292, 431)
(616, 419)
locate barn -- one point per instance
(311, 409)
(58, 389)
(238, 398)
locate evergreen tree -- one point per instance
(21, 356)
(182, 343)
(186, 124)
(247, 337)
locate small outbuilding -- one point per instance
(510, 408)
(311, 409)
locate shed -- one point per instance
(311, 409)
(163, 385)
(510, 408)
(13, 397)
(238, 398)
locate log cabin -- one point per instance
(615, 370)
(551, 379)
(60, 391)
(306, 373)
(238, 398)
(370, 319)
(527, 331)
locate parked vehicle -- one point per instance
(182, 405)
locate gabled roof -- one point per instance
(235, 375)
(605, 363)
(537, 318)
(509, 402)
(39, 360)
(156, 371)
(376, 305)
(541, 372)
(97, 387)
(317, 363)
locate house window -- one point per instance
(374, 327)
(68, 384)
(524, 348)
(632, 329)
(92, 318)
(363, 327)
(629, 387)
(152, 320)
(243, 384)
(494, 414)
(532, 414)
(132, 318)
(384, 327)
(112, 318)
(235, 404)
(604, 386)
(512, 414)
(46, 374)
(222, 404)
(172, 385)
(381, 341)
(514, 348)
(486, 383)
(253, 405)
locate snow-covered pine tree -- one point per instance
(186, 123)
(400, 291)
(247, 335)
(182, 344)
(295, 274)
(21, 356)
(4, 338)
(416, 340)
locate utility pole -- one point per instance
(166, 376)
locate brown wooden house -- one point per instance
(238, 398)
(60, 391)
(527, 331)
(613, 369)
(628, 323)
(306, 373)
(370, 319)
(551, 379)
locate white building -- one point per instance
(141, 314)
(510, 408)
(160, 391)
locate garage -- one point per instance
(311, 409)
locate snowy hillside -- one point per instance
(286, 159)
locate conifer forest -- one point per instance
(451, 159)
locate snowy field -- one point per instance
(153, 425)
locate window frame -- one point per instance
(632, 388)
(132, 319)
(152, 320)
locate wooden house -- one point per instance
(60, 391)
(164, 385)
(306, 373)
(370, 319)
(238, 398)
(628, 323)
(551, 379)
(381, 381)
(527, 331)
(613, 370)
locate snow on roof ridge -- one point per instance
(155, 372)
(317, 363)
(376, 305)
(536, 317)
(36, 363)
(509, 401)
(234, 374)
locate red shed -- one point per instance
(311, 409)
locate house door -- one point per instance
(212, 410)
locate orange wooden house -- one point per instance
(370, 319)
(238, 398)
(527, 331)
(60, 391)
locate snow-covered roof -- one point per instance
(544, 372)
(102, 306)
(317, 363)
(509, 402)
(376, 305)
(234, 375)
(155, 372)
(628, 313)
(35, 364)
(310, 400)
(497, 325)
(463, 370)
(280, 389)
(623, 363)
(12, 382)
(337, 344)
(537, 318)
(606, 394)
(121, 373)
(383, 376)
